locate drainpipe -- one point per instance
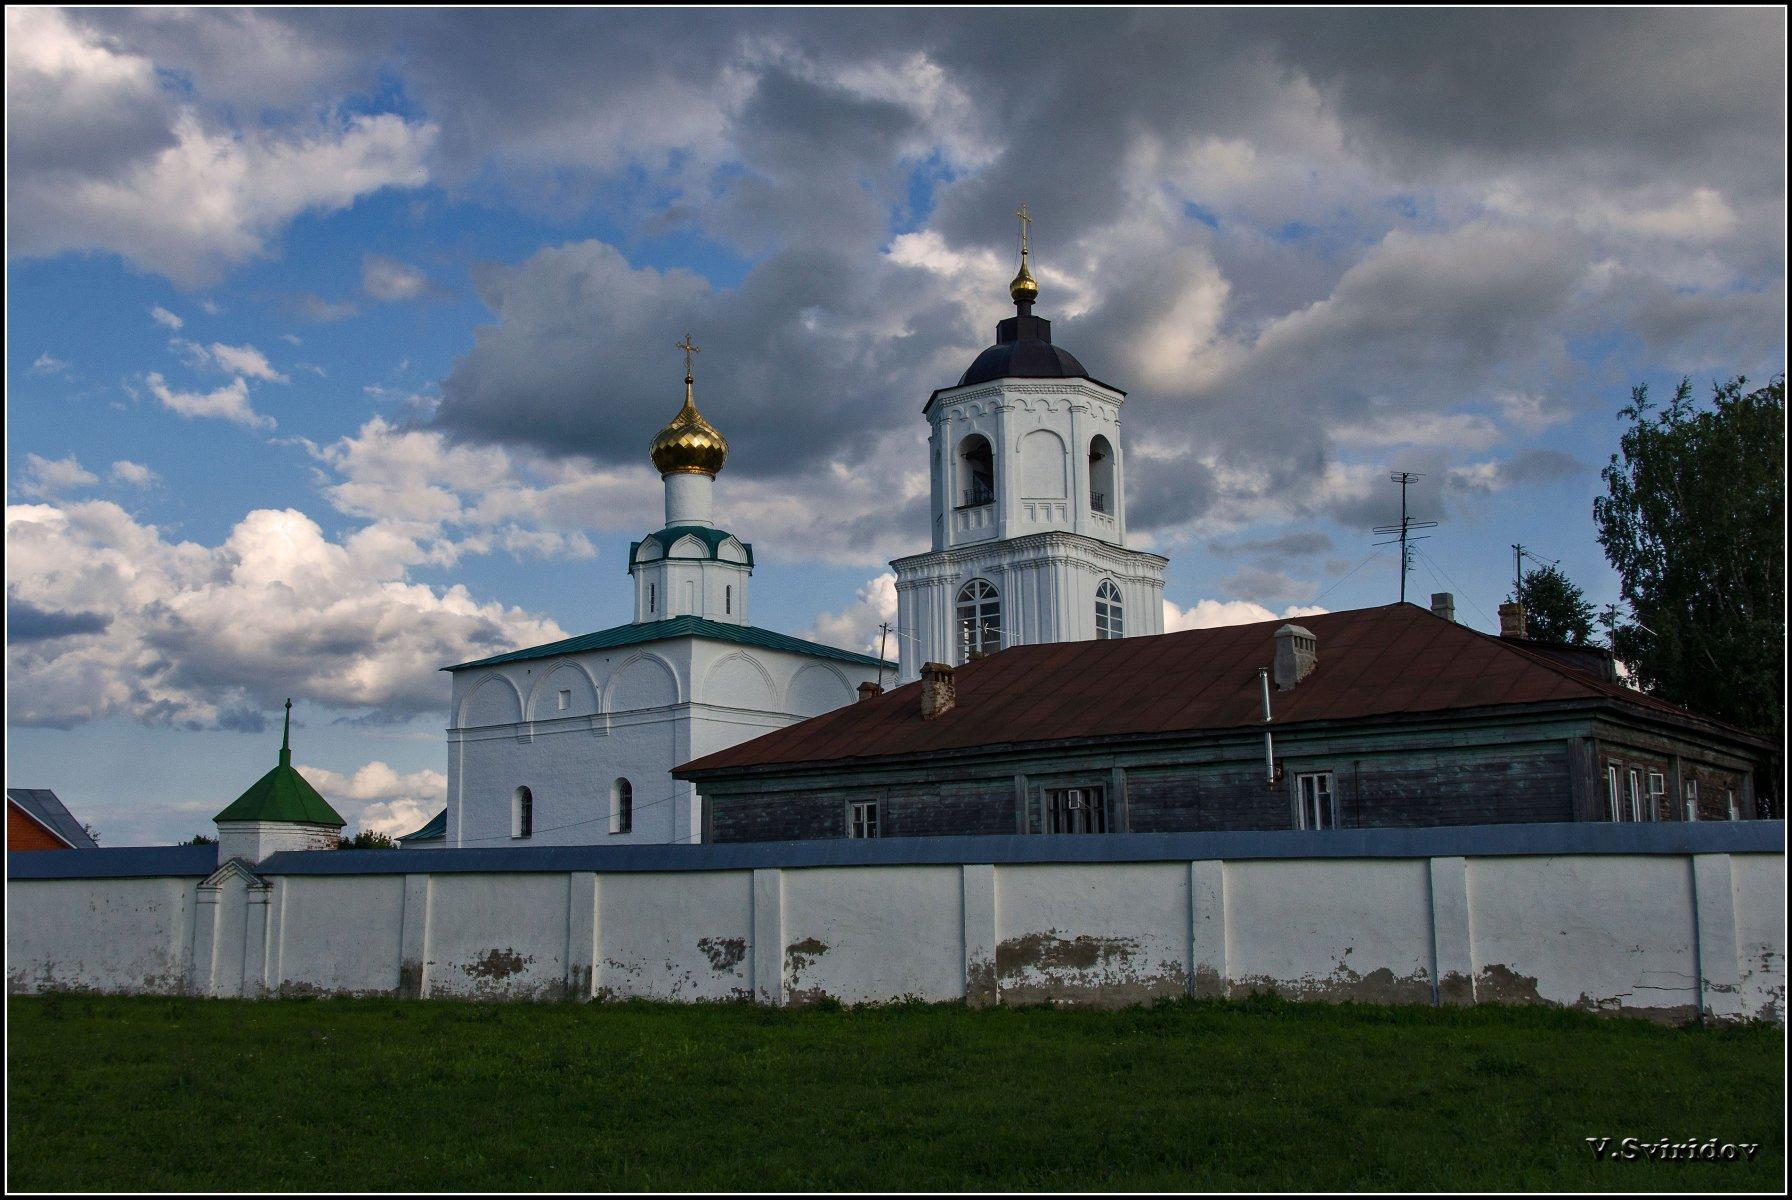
(1269, 745)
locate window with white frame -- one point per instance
(1691, 790)
(1658, 790)
(1633, 795)
(522, 813)
(1731, 807)
(622, 806)
(1109, 620)
(979, 619)
(1315, 805)
(1614, 807)
(1076, 810)
(861, 819)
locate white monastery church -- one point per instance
(572, 743)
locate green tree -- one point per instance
(1694, 523)
(199, 839)
(367, 839)
(1555, 609)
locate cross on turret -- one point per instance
(689, 347)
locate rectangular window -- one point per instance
(1692, 799)
(1658, 792)
(564, 701)
(652, 596)
(1613, 810)
(1634, 797)
(1318, 808)
(862, 819)
(1076, 810)
(1732, 807)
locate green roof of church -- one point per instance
(675, 627)
(282, 794)
(434, 830)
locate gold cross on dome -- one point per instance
(1026, 219)
(689, 347)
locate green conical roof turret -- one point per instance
(282, 794)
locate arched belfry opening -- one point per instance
(976, 472)
(1102, 496)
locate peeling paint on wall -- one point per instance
(724, 954)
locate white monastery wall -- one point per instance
(1656, 921)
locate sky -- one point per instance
(336, 338)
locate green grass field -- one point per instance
(148, 1094)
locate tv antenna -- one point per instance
(1403, 531)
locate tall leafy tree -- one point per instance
(1693, 521)
(1555, 609)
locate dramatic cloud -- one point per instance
(1313, 246)
(104, 157)
(1206, 614)
(211, 636)
(379, 799)
(858, 627)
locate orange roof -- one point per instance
(1394, 660)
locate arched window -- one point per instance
(522, 813)
(979, 619)
(1109, 620)
(622, 806)
(976, 472)
(1101, 476)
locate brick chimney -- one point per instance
(939, 692)
(869, 689)
(1297, 653)
(1443, 604)
(1511, 619)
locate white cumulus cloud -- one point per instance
(229, 403)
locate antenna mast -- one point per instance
(1519, 554)
(1403, 531)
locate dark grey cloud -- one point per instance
(1528, 467)
(1299, 544)
(1286, 225)
(27, 623)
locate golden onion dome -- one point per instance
(1024, 289)
(689, 445)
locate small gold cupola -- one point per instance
(689, 445)
(1024, 289)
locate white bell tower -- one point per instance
(1029, 506)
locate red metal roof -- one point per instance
(1373, 662)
